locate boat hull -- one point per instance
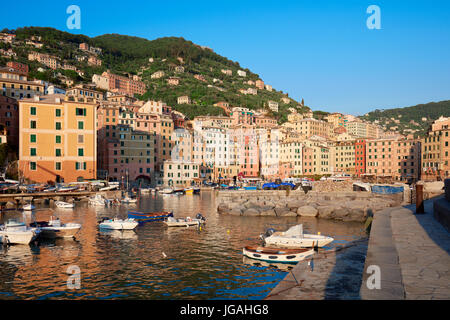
(148, 217)
(194, 222)
(59, 232)
(118, 226)
(24, 237)
(307, 241)
(280, 256)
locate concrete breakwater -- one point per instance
(345, 206)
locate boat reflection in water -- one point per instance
(119, 234)
(273, 265)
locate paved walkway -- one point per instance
(329, 275)
(412, 253)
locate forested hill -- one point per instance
(202, 78)
(416, 119)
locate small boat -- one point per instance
(149, 216)
(129, 200)
(145, 190)
(277, 254)
(167, 191)
(118, 224)
(67, 189)
(97, 200)
(64, 205)
(185, 222)
(28, 207)
(178, 191)
(55, 229)
(196, 190)
(15, 232)
(295, 238)
(189, 191)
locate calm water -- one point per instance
(198, 264)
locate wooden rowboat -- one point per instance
(148, 216)
(277, 254)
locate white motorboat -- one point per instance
(64, 205)
(16, 232)
(129, 200)
(145, 190)
(167, 191)
(185, 222)
(118, 224)
(55, 229)
(295, 238)
(277, 254)
(97, 200)
(29, 207)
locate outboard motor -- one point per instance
(199, 216)
(268, 233)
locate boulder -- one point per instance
(340, 213)
(222, 208)
(325, 212)
(307, 211)
(281, 210)
(288, 214)
(235, 212)
(251, 212)
(269, 212)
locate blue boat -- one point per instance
(148, 216)
(250, 188)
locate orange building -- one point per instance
(57, 139)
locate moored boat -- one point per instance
(277, 254)
(196, 190)
(185, 222)
(167, 191)
(15, 232)
(64, 205)
(189, 191)
(29, 207)
(129, 200)
(295, 238)
(149, 216)
(97, 200)
(55, 229)
(118, 224)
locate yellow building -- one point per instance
(343, 157)
(57, 139)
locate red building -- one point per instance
(360, 157)
(19, 67)
(9, 118)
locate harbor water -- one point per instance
(153, 261)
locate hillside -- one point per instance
(126, 55)
(415, 119)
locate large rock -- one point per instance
(325, 212)
(223, 208)
(307, 211)
(251, 212)
(267, 213)
(295, 204)
(340, 213)
(235, 212)
(281, 210)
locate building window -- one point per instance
(33, 124)
(32, 151)
(80, 125)
(33, 166)
(80, 152)
(58, 112)
(80, 138)
(58, 125)
(58, 139)
(32, 138)
(80, 112)
(58, 152)
(58, 166)
(33, 111)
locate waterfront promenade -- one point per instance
(411, 250)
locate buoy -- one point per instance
(228, 231)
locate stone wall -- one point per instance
(346, 206)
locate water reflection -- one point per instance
(154, 261)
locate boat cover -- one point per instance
(295, 231)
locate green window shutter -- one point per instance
(58, 166)
(58, 139)
(58, 112)
(32, 138)
(80, 125)
(80, 152)
(84, 165)
(77, 165)
(58, 125)
(32, 151)
(58, 152)
(33, 111)
(84, 112)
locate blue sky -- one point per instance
(320, 50)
